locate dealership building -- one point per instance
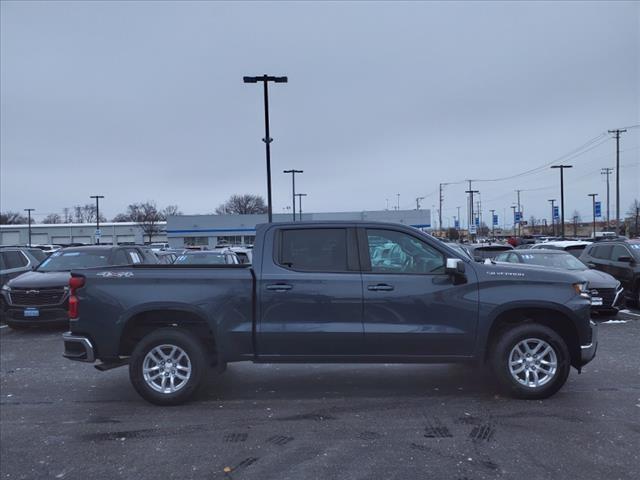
(211, 230)
(197, 230)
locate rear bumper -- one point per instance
(78, 348)
(588, 351)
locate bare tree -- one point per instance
(147, 216)
(52, 218)
(170, 211)
(242, 205)
(13, 218)
(86, 214)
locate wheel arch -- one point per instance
(553, 318)
(142, 322)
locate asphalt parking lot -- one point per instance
(61, 419)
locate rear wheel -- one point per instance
(531, 361)
(167, 366)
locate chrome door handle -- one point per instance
(380, 287)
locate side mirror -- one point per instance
(455, 266)
(625, 259)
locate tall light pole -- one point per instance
(562, 167)
(617, 132)
(265, 79)
(553, 221)
(593, 197)
(513, 207)
(29, 210)
(519, 213)
(98, 197)
(293, 172)
(398, 200)
(300, 195)
(607, 171)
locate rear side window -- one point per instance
(14, 259)
(602, 251)
(38, 254)
(314, 249)
(134, 256)
(575, 251)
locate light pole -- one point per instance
(553, 221)
(265, 79)
(293, 172)
(493, 225)
(398, 203)
(513, 207)
(607, 171)
(562, 167)
(300, 195)
(593, 197)
(29, 210)
(98, 197)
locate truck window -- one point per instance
(314, 249)
(120, 258)
(398, 252)
(15, 259)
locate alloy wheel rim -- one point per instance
(166, 368)
(533, 363)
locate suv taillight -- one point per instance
(74, 284)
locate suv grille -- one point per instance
(608, 295)
(36, 297)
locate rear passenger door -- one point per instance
(310, 294)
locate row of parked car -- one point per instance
(611, 266)
(35, 284)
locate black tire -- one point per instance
(195, 355)
(506, 344)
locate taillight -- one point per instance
(74, 284)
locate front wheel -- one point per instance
(167, 366)
(531, 361)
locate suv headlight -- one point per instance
(581, 289)
(6, 288)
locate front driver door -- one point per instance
(411, 306)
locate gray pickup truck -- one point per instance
(332, 292)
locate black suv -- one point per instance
(40, 297)
(620, 259)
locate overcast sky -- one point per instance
(145, 101)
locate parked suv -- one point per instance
(619, 258)
(40, 297)
(17, 260)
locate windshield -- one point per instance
(201, 259)
(459, 249)
(65, 261)
(566, 261)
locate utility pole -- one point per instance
(300, 195)
(607, 171)
(293, 172)
(520, 214)
(418, 202)
(617, 132)
(553, 221)
(562, 167)
(458, 218)
(593, 210)
(471, 192)
(98, 234)
(493, 226)
(267, 139)
(441, 199)
(29, 210)
(398, 204)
